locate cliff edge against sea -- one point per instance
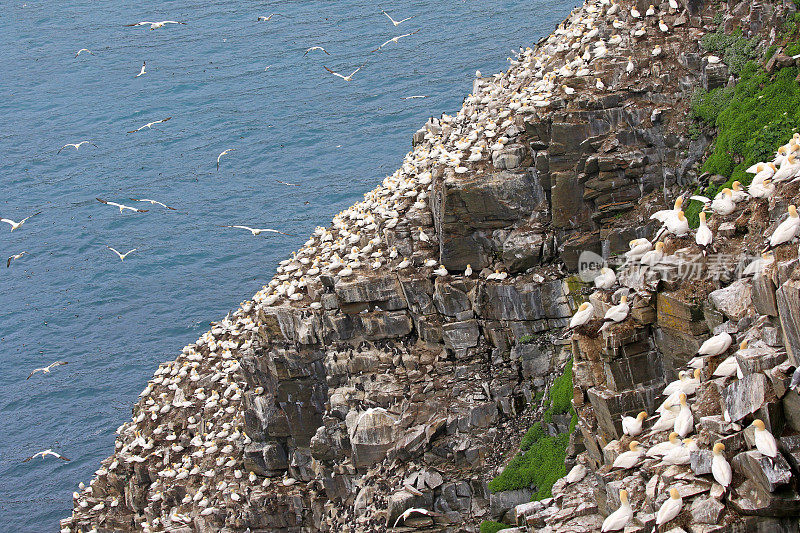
(409, 367)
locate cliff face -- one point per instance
(373, 375)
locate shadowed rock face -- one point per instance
(389, 388)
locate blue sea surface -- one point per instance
(71, 298)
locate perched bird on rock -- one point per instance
(621, 517)
(633, 426)
(605, 279)
(583, 315)
(630, 458)
(670, 508)
(786, 230)
(720, 468)
(684, 422)
(765, 442)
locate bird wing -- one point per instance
(332, 72)
(241, 227)
(7, 221)
(273, 231)
(390, 18)
(55, 454)
(356, 70)
(700, 199)
(8, 263)
(115, 251)
(26, 218)
(35, 370)
(139, 24)
(129, 251)
(103, 201)
(407, 18)
(68, 144)
(408, 34)
(285, 183)
(172, 22)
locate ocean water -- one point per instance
(71, 299)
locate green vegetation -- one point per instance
(734, 49)
(758, 114)
(540, 462)
(489, 526)
(526, 339)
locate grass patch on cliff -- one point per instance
(735, 50)
(490, 526)
(540, 461)
(752, 119)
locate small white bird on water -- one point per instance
(14, 257)
(17, 225)
(262, 18)
(79, 52)
(621, 517)
(224, 152)
(46, 369)
(45, 453)
(257, 231)
(76, 145)
(396, 22)
(121, 255)
(345, 78)
(155, 25)
(141, 72)
(121, 207)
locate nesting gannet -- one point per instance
(617, 313)
(622, 516)
(662, 448)
(441, 271)
(629, 459)
(684, 422)
(653, 257)
(155, 25)
(583, 315)
(17, 225)
(761, 189)
(121, 207)
(605, 279)
(149, 125)
(46, 370)
(678, 226)
(262, 18)
(680, 455)
(720, 468)
(79, 52)
(14, 257)
(577, 473)
(45, 453)
(396, 39)
(121, 255)
(468, 271)
(256, 231)
(142, 71)
(76, 145)
(315, 48)
(635, 13)
(757, 266)
(153, 202)
(786, 230)
(765, 442)
(345, 78)
(716, 345)
(704, 236)
(789, 168)
(633, 426)
(397, 23)
(224, 152)
(670, 508)
(668, 411)
(638, 247)
(663, 27)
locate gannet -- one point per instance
(396, 39)
(345, 78)
(605, 279)
(76, 145)
(680, 455)
(256, 231)
(666, 214)
(155, 25)
(716, 345)
(397, 23)
(408, 512)
(46, 369)
(262, 18)
(224, 152)
(617, 313)
(670, 508)
(633, 426)
(622, 516)
(45, 453)
(638, 247)
(765, 442)
(121, 207)
(684, 422)
(577, 473)
(153, 202)
(83, 50)
(629, 459)
(662, 448)
(315, 48)
(720, 468)
(653, 257)
(17, 225)
(142, 71)
(149, 125)
(786, 230)
(583, 315)
(14, 257)
(121, 255)
(704, 236)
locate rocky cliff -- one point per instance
(392, 362)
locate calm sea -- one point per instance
(71, 299)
